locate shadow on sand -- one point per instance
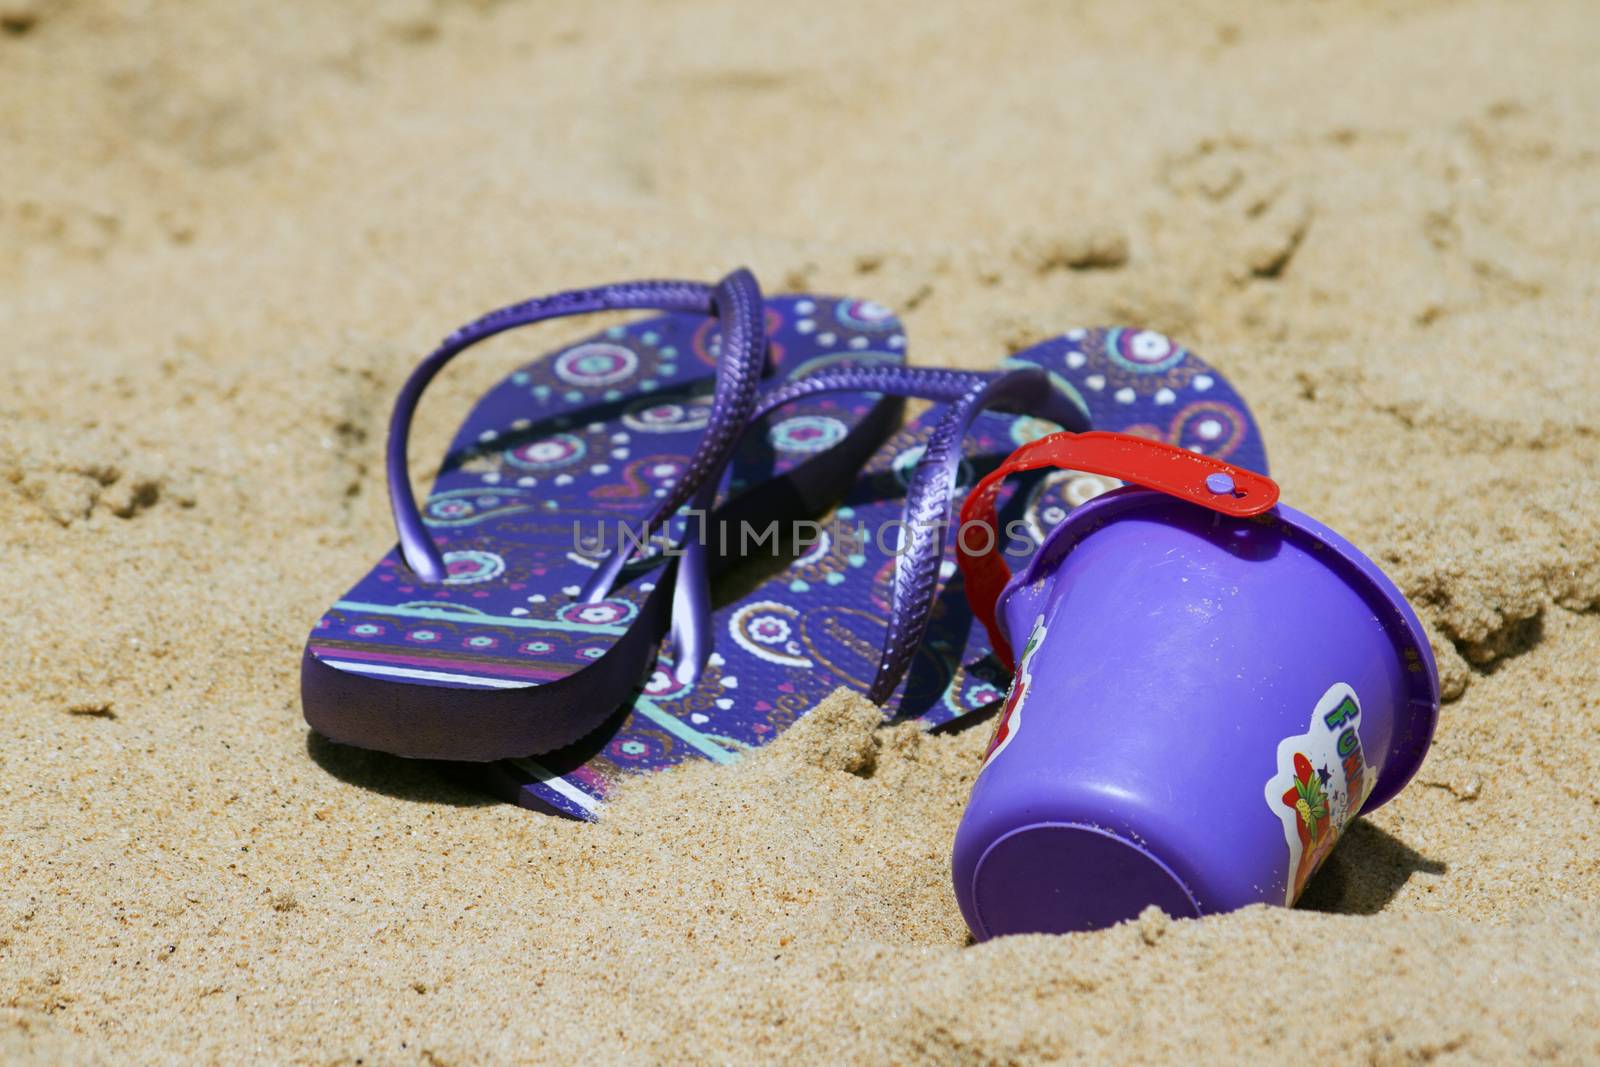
(1365, 872)
(394, 776)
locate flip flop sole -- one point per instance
(819, 624)
(502, 657)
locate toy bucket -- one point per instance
(1210, 688)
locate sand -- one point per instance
(225, 236)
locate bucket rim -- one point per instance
(1411, 737)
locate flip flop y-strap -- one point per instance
(735, 301)
(690, 640)
(930, 499)
(930, 505)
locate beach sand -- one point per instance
(226, 236)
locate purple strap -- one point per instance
(737, 303)
(929, 498)
(922, 383)
(930, 504)
(691, 640)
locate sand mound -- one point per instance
(226, 235)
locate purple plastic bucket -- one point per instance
(1202, 705)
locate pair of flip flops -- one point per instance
(546, 621)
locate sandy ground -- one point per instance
(225, 235)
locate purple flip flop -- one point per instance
(876, 603)
(507, 620)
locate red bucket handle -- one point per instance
(1178, 472)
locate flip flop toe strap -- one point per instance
(929, 499)
(930, 505)
(690, 639)
(736, 302)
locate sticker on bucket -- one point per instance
(1322, 781)
(1011, 715)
